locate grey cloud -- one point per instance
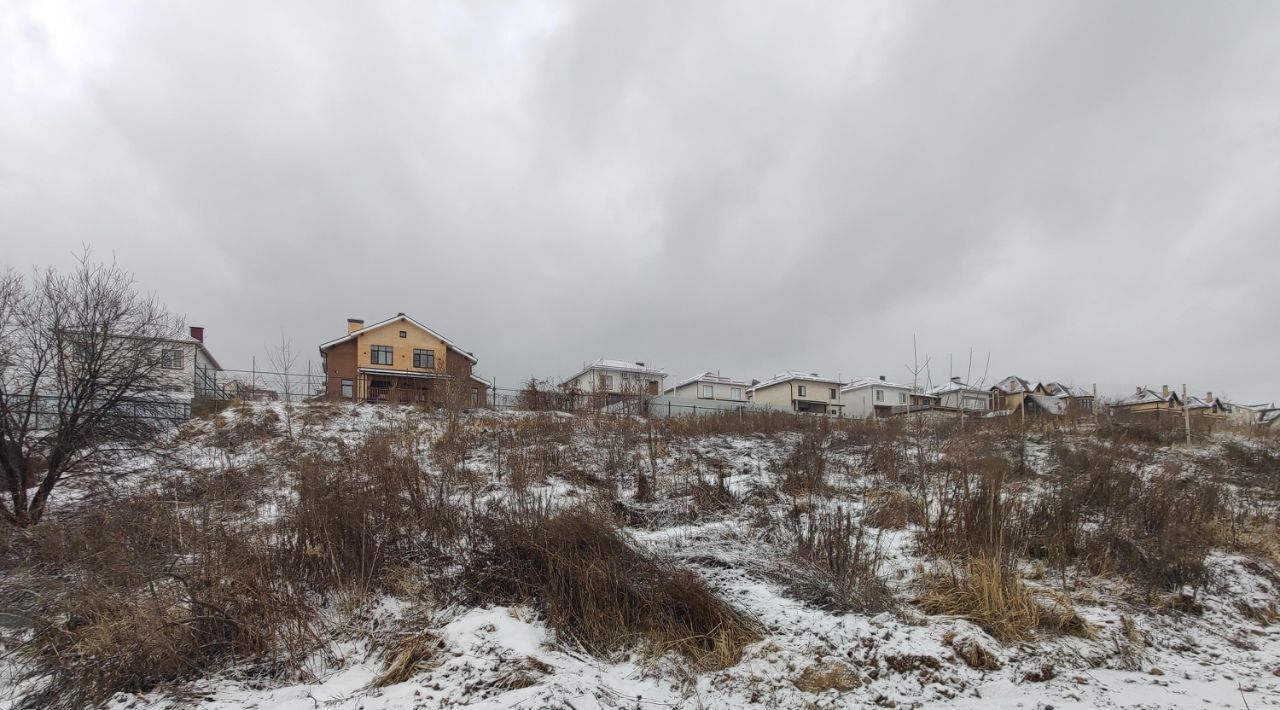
(1084, 190)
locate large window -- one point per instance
(608, 382)
(735, 393)
(425, 359)
(171, 359)
(381, 354)
(800, 390)
(902, 398)
(347, 389)
(708, 392)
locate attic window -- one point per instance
(404, 334)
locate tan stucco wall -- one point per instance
(402, 348)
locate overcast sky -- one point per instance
(1088, 192)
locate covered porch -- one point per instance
(403, 387)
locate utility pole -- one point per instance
(1186, 413)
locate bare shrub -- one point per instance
(991, 594)
(596, 589)
(839, 564)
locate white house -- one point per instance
(188, 368)
(866, 397)
(958, 395)
(615, 379)
(799, 392)
(711, 385)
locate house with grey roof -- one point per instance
(806, 392)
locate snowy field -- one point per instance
(1212, 645)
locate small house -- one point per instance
(806, 392)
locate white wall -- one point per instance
(720, 390)
(614, 381)
(861, 403)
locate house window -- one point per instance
(736, 393)
(404, 334)
(83, 353)
(348, 388)
(608, 382)
(879, 395)
(171, 359)
(475, 396)
(800, 390)
(902, 398)
(425, 359)
(833, 393)
(708, 392)
(380, 354)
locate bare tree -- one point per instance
(81, 377)
(281, 359)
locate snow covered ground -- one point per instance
(506, 657)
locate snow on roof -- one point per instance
(858, 383)
(1144, 396)
(1013, 385)
(1051, 404)
(623, 365)
(1057, 388)
(713, 378)
(789, 375)
(1268, 415)
(400, 316)
(955, 386)
(1194, 402)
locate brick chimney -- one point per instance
(197, 333)
(354, 324)
(1137, 390)
(1208, 397)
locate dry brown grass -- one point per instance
(988, 592)
(597, 590)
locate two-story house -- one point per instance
(608, 381)
(799, 392)
(711, 385)
(400, 360)
(866, 397)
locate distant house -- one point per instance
(711, 385)
(1037, 404)
(1149, 401)
(958, 395)
(400, 360)
(866, 397)
(1248, 413)
(1079, 400)
(799, 392)
(1009, 392)
(1209, 406)
(609, 381)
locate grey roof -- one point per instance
(858, 383)
(622, 365)
(789, 375)
(1013, 385)
(712, 378)
(1057, 388)
(1051, 404)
